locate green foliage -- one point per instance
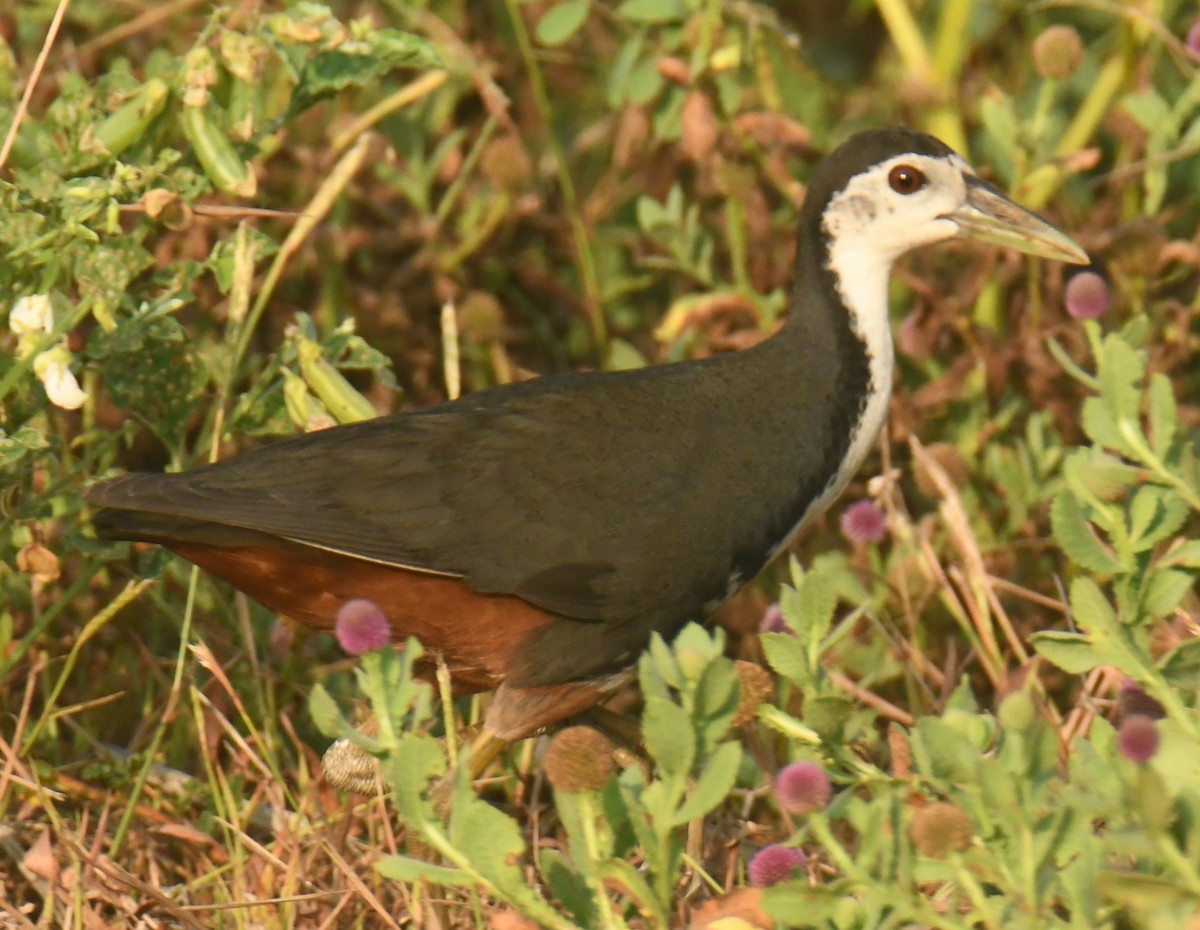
(687, 721)
(1127, 498)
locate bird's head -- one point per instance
(887, 191)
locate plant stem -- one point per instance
(168, 714)
(583, 248)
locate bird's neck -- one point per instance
(839, 326)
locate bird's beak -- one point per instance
(989, 216)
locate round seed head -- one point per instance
(1057, 52)
(578, 759)
(1137, 738)
(774, 864)
(755, 686)
(803, 787)
(941, 827)
(361, 626)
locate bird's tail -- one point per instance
(143, 508)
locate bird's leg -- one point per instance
(624, 730)
(515, 714)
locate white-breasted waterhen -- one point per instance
(535, 535)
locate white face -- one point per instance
(900, 204)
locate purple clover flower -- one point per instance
(803, 787)
(1087, 296)
(774, 864)
(1137, 738)
(361, 626)
(863, 523)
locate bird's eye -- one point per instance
(905, 179)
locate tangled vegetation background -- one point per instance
(974, 706)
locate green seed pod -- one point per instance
(126, 125)
(1018, 712)
(217, 155)
(345, 403)
(302, 408)
(245, 58)
(243, 109)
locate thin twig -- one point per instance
(34, 77)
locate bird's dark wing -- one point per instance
(509, 490)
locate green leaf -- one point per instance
(815, 603)
(1077, 538)
(634, 886)
(1122, 369)
(714, 784)
(1101, 426)
(657, 669)
(1091, 608)
(1160, 521)
(325, 713)
(1094, 473)
(103, 272)
(623, 356)
(1163, 414)
(670, 740)
(1139, 891)
(149, 368)
(796, 903)
(786, 657)
(559, 23)
(25, 441)
(568, 886)
(1181, 666)
(1165, 589)
(653, 11)
(789, 726)
(1178, 757)
(1144, 507)
(1186, 555)
(404, 869)
(827, 714)
(1072, 652)
(714, 703)
(491, 842)
(618, 77)
(942, 752)
(1150, 110)
(333, 70)
(409, 768)
(1001, 122)
(645, 82)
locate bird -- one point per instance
(534, 536)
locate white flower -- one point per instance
(53, 368)
(32, 315)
